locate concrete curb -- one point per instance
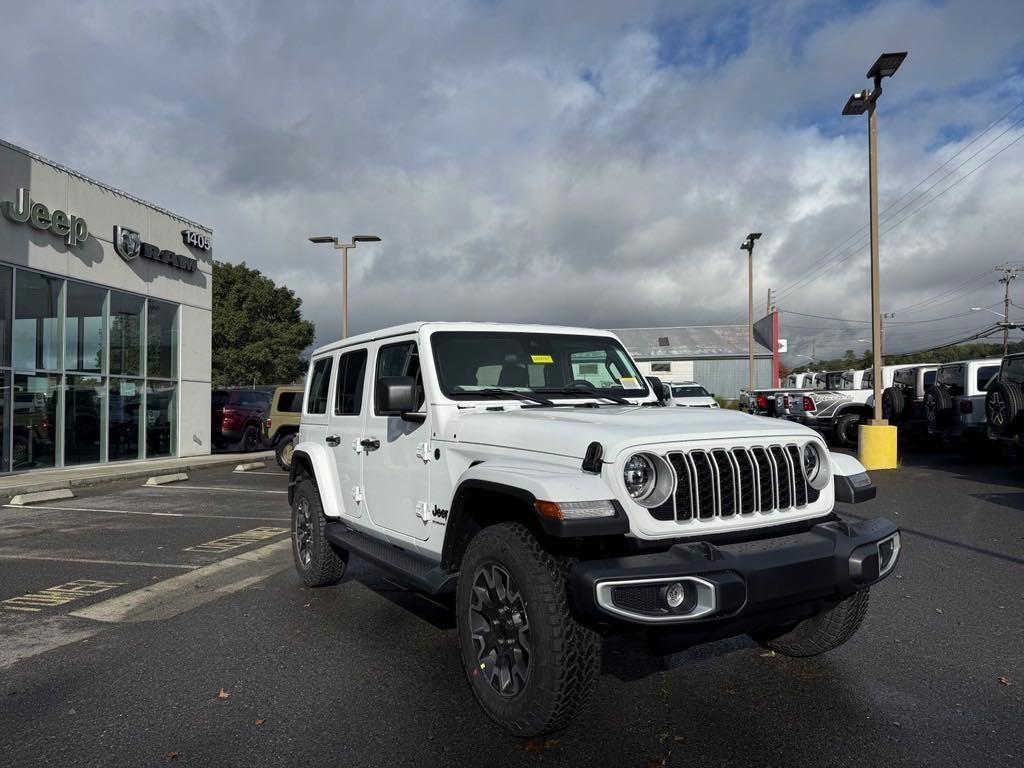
(176, 477)
(250, 465)
(116, 474)
(23, 499)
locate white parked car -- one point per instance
(688, 394)
(531, 471)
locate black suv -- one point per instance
(1004, 402)
(239, 418)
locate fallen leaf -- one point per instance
(678, 738)
(1004, 680)
(938, 610)
(655, 762)
(261, 721)
(535, 745)
(223, 694)
(172, 756)
(72, 711)
(768, 654)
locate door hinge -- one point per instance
(423, 452)
(357, 493)
(357, 445)
(423, 511)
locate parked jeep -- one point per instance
(955, 403)
(903, 396)
(283, 424)
(475, 459)
(1004, 402)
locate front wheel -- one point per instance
(818, 634)
(530, 664)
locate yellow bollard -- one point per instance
(877, 446)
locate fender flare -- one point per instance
(320, 463)
(527, 483)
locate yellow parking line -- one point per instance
(58, 595)
(237, 540)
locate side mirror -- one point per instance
(396, 396)
(658, 388)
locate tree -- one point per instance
(258, 331)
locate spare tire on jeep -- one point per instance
(938, 406)
(1004, 406)
(894, 404)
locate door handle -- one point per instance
(370, 443)
(333, 440)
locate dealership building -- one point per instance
(105, 322)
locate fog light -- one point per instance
(888, 553)
(675, 595)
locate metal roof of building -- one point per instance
(690, 342)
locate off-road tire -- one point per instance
(326, 564)
(819, 634)
(565, 656)
(938, 406)
(283, 452)
(894, 404)
(844, 431)
(1004, 406)
(250, 438)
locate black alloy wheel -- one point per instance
(500, 629)
(250, 439)
(303, 532)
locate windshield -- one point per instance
(473, 361)
(689, 390)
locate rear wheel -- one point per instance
(250, 438)
(818, 634)
(319, 564)
(283, 452)
(847, 430)
(530, 664)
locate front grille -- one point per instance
(735, 483)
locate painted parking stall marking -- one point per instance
(58, 595)
(237, 540)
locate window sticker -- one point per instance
(542, 359)
(628, 382)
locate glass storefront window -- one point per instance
(83, 420)
(83, 329)
(5, 382)
(125, 334)
(5, 316)
(123, 423)
(37, 321)
(161, 417)
(34, 419)
(162, 340)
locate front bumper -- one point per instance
(733, 588)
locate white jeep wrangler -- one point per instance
(531, 471)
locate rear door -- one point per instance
(395, 478)
(345, 428)
(314, 411)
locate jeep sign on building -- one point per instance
(105, 306)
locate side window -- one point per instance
(400, 360)
(290, 402)
(348, 394)
(986, 374)
(929, 378)
(319, 384)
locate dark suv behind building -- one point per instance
(239, 418)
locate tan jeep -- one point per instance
(283, 424)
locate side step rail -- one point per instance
(412, 568)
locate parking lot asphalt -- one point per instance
(126, 612)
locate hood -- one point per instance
(694, 401)
(568, 431)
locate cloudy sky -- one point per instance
(581, 162)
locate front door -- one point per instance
(395, 477)
(345, 430)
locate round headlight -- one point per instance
(815, 466)
(640, 476)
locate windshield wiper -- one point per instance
(583, 392)
(498, 392)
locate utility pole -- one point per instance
(1009, 275)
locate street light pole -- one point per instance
(748, 246)
(344, 248)
(858, 104)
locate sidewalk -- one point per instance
(50, 479)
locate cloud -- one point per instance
(587, 163)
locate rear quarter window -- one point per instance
(986, 374)
(319, 386)
(289, 402)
